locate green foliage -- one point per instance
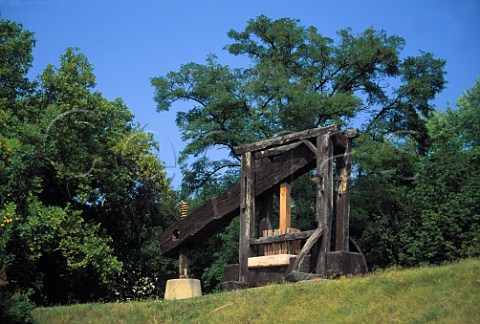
(83, 197)
(17, 308)
(450, 177)
(421, 209)
(226, 252)
(298, 79)
(15, 61)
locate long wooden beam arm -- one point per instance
(215, 214)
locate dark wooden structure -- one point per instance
(269, 255)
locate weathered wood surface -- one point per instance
(340, 138)
(343, 171)
(215, 214)
(276, 151)
(282, 238)
(282, 140)
(247, 213)
(324, 198)
(280, 246)
(183, 263)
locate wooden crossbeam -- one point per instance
(282, 140)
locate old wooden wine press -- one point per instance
(269, 255)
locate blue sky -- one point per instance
(128, 42)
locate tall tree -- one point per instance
(297, 79)
(449, 176)
(82, 195)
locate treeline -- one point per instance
(83, 200)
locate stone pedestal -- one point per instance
(182, 288)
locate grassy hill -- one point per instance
(446, 294)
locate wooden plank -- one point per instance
(282, 238)
(247, 213)
(285, 206)
(282, 140)
(343, 170)
(324, 198)
(217, 213)
(270, 260)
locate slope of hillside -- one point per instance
(447, 294)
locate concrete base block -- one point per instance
(182, 288)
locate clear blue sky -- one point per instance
(128, 42)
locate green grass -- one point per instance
(446, 294)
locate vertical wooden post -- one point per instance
(344, 170)
(324, 198)
(266, 220)
(285, 207)
(247, 213)
(183, 262)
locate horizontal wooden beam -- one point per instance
(282, 238)
(282, 140)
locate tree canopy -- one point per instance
(297, 79)
(83, 197)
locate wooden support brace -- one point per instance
(306, 248)
(310, 146)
